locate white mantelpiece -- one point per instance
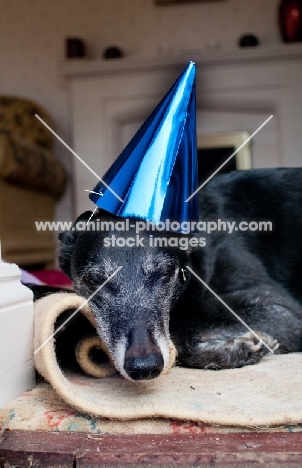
(236, 90)
(83, 67)
(16, 324)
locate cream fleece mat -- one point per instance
(267, 394)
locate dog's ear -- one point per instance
(68, 240)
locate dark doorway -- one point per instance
(209, 159)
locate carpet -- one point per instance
(41, 409)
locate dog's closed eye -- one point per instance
(161, 274)
(94, 282)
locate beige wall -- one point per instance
(32, 36)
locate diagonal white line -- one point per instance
(78, 157)
(92, 215)
(228, 159)
(231, 310)
(79, 308)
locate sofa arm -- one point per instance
(27, 165)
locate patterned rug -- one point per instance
(42, 410)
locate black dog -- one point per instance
(257, 273)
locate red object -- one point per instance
(52, 277)
(290, 16)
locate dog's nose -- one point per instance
(145, 368)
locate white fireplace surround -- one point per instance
(236, 91)
(16, 327)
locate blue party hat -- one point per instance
(157, 171)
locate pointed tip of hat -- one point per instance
(157, 171)
(190, 68)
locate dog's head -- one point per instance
(132, 308)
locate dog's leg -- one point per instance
(217, 340)
(220, 350)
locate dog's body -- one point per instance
(258, 274)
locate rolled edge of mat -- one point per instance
(47, 310)
(172, 358)
(82, 353)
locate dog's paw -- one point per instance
(258, 341)
(250, 348)
(218, 353)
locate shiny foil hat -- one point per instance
(157, 171)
